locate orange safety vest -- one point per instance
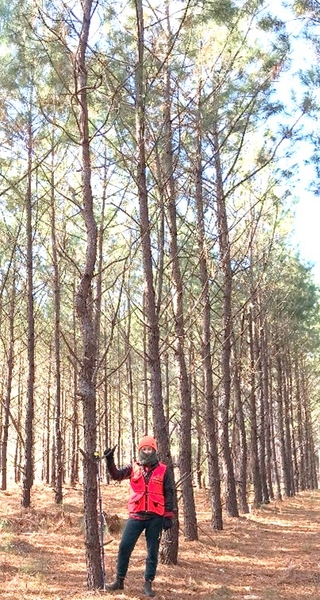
(147, 497)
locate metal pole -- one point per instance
(101, 521)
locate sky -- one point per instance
(306, 236)
(306, 226)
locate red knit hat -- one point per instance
(147, 440)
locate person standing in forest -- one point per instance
(150, 508)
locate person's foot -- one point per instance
(148, 589)
(118, 584)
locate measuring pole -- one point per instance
(101, 520)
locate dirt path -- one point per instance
(272, 554)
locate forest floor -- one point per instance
(271, 554)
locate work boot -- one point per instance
(118, 584)
(148, 589)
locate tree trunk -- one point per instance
(266, 401)
(129, 373)
(300, 440)
(146, 385)
(210, 422)
(28, 473)
(20, 443)
(185, 458)
(275, 467)
(310, 466)
(225, 266)
(84, 308)
(255, 466)
(57, 359)
(280, 425)
(258, 343)
(10, 363)
(169, 551)
(241, 452)
(47, 419)
(287, 392)
(74, 467)
(199, 417)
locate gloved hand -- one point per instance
(109, 452)
(167, 523)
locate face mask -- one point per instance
(148, 459)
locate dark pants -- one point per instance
(130, 536)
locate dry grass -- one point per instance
(273, 554)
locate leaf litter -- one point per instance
(270, 554)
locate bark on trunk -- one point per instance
(185, 457)
(241, 458)
(262, 411)
(280, 425)
(287, 422)
(57, 360)
(255, 466)
(74, 469)
(300, 440)
(169, 551)
(28, 473)
(10, 363)
(84, 308)
(275, 466)
(266, 400)
(225, 266)
(210, 417)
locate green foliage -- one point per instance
(222, 13)
(5, 524)
(222, 592)
(271, 23)
(37, 568)
(307, 8)
(295, 300)
(7, 547)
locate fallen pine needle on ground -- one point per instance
(270, 554)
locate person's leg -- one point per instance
(153, 535)
(131, 533)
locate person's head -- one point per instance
(147, 449)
